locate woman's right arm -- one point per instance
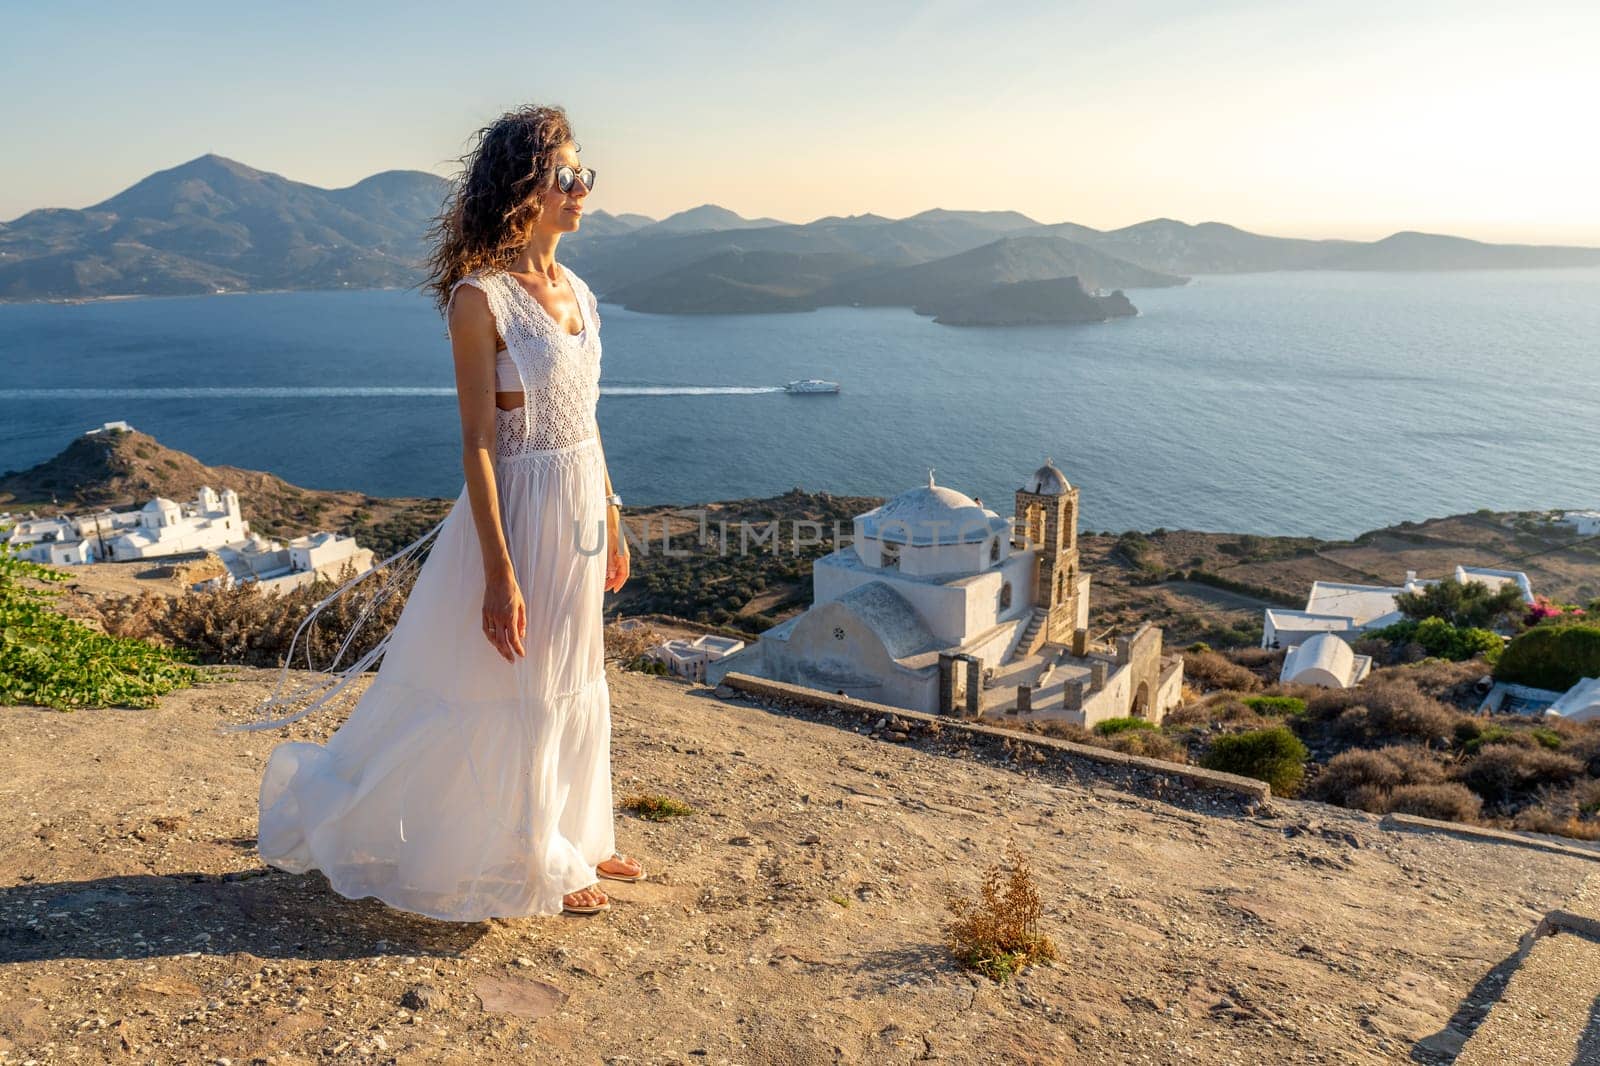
(472, 341)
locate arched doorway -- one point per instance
(1141, 701)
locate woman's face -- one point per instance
(562, 210)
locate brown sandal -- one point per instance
(640, 876)
(574, 908)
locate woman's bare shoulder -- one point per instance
(469, 306)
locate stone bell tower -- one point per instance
(1047, 520)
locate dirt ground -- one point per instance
(794, 919)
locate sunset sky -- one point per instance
(1298, 119)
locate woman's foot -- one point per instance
(621, 868)
(585, 900)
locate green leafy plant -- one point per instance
(1285, 705)
(1274, 755)
(1112, 726)
(1552, 656)
(50, 660)
(1470, 604)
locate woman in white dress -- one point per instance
(472, 778)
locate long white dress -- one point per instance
(463, 786)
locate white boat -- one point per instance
(811, 385)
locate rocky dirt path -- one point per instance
(794, 919)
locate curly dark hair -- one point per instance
(491, 207)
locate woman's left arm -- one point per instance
(617, 544)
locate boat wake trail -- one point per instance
(196, 392)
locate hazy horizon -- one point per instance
(1459, 119)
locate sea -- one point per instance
(1296, 403)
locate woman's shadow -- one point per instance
(264, 911)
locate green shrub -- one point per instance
(1552, 656)
(50, 660)
(1440, 638)
(1472, 604)
(1112, 726)
(1274, 755)
(1288, 705)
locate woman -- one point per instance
(473, 778)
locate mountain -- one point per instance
(1029, 257)
(1174, 247)
(1429, 251)
(215, 223)
(707, 217)
(1049, 301)
(737, 281)
(610, 264)
(1167, 245)
(598, 223)
(970, 286)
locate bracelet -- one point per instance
(614, 500)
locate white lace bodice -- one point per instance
(560, 372)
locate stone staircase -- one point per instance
(1031, 637)
(1550, 1008)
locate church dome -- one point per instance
(930, 514)
(1048, 480)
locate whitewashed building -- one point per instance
(1587, 523)
(166, 527)
(937, 601)
(276, 567)
(1349, 610)
(161, 527)
(1324, 659)
(1580, 703)
(689, 658)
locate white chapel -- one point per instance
(938, 601)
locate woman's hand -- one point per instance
(505, 616)
(617, 550)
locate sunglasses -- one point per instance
(565, 176)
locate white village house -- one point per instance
(1348, 610)
(1585, 523)
(275, 567)
(689, 658)
(938, 602)
(160, 527)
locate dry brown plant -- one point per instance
(998, 933)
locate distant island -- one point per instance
(216, 225)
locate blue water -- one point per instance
(1294, 403)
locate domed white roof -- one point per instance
(1323, 659)
(931, 514)
(1048, 480)
(160, 503)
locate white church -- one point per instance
(938, 604)
(161, 527)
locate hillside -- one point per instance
(214, 223)
(1200, 585)
(1050, 301)
(740, 282)
(794, 918)
(125, 469)
(1007, 260)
